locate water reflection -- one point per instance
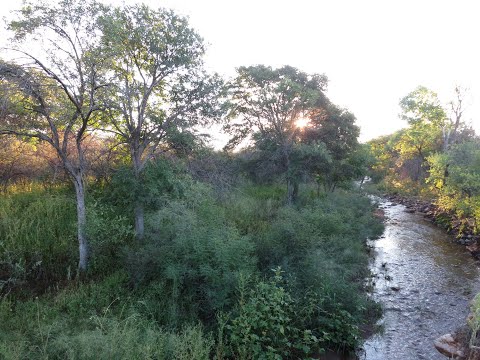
(424, 282)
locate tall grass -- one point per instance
(37, 237)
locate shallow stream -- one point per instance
(424, 282)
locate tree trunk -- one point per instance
(81, 223)
(139, 220)
(290, 191)
(290, 181)
(295, 190)
(139, 212)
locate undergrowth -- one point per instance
(199, 286)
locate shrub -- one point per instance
(191, 261)
(322, 247)
(266, 326)
(108, 233)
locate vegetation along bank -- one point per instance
(124, 235)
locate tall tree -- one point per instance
(160, 90)
(427, 121)
(54, 96)
(268, 103)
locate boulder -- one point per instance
(448, 346)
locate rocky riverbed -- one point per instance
(423, 279)
(462, 230)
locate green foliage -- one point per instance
(266, 103)
(37, 238)
(106, 337)
(156, 64)
(94, 298)
(455, 176)
(97, 320)
(266, 326)
(131, 338)
(321, 246)
(474, 320)
(196, 256)
(197, 251)
(401, 158)
(108, 231)
(422, 106)
(160, 179)
(192, 259)
(279, 95)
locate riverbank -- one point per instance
(201, 285)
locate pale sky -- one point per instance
(374, 52)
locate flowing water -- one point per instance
(424, 282)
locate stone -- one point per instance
(448, 346)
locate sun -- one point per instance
(302, 122)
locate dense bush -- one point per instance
(203, 256)
(320, 245)
(266, 325)
(190, 265)
(455, 178)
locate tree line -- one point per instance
(117, 87)
(436, 156)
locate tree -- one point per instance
(267, 103)
(455, 175)
(456, 127)
(55, 96)
(335, 127)
(427, 120)
(160, 91)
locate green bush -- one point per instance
(196, 255)
(266, 325)
(322, 247)
(190, 264)
(108, 233)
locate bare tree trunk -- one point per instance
(81, 223)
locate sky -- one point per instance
(374, 52)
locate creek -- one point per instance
(424, 282)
